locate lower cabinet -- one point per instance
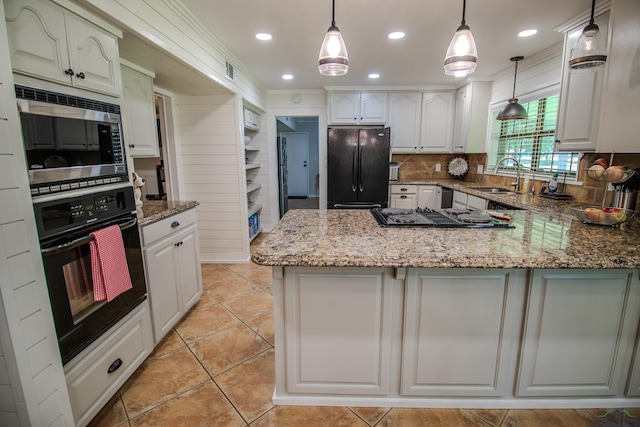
(579, 333)
(172, 263)
(461, 331)
(403, 196)
(338, 330)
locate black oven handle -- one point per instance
(81, 240)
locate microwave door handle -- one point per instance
(81, 241)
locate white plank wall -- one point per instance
(32, 385)
(212, 165)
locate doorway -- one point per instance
(301, 182)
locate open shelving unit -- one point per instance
(251, 128)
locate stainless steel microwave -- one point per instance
(70, 142)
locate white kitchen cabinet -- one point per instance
(358, 107)
(471, 117)
(437, 118)
(139, 112)
(53, 44)
(172, 265)
(579, 332)
(580, 97)
(474, 202)
(459, 200)
(461, 331)
(339, 326)
(404, 121)
(251, 119)
(403, 196)
(428, 196)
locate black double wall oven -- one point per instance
(79, 185)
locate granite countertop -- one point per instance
(155, 210)
(540, 239)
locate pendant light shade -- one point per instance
(589, 51)
(513, 110)
(333, 59)
(462, 54)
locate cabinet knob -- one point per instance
(403, 197)
(69, 72)
(80, 75)
(114, 366)
(175, 224)
(403, 189)
(132, 146)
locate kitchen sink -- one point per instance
(494, 190)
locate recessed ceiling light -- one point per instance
(263, 36)
(396, 35)
(287, 76)
(374, 75)
(527, 33)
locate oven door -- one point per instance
(79, 320)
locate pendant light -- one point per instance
(462, 55)
(589, 51)
(333, 59)
(513, 110)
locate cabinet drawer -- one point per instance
(164, 227)
(89, 383)
(404, 189)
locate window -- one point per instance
(531, 140)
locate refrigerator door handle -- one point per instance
(360, 169)
(355, 169)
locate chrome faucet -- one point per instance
(516, 185)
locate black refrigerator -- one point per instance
(358, 168)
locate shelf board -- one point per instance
(249, 148)
(255, 208)
(251, 166)
(253, 187)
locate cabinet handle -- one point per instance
(177, 244)
(69, 72)
(80, 75)
(403, 197)
(132, 146)
(403, 189)
(114, 366)
(175, 224)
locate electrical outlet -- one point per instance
(480, 169)
(437, 167)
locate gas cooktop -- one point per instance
(440, 218)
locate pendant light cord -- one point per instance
(514, 80)
(333, 14)
(593, 10)
(464, 8)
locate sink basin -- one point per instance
(494, 190)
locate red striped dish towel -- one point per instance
(109, 268)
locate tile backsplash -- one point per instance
(423, 167)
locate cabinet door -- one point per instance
(139, 113)
(93, 56)
(461, 126)
(427, 196)
(403, 201)
(188, 262)
(474, 202)
(404, 121)
(338, 330)
(373, 107)
(164, 295)
(37, 39)
(345, 107)
(461, 331)
(436, 134)
(579, 104)
(579, 333)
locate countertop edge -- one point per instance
(156, 210)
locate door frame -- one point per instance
(290, 158)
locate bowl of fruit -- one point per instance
(602, 216)
(602, 172)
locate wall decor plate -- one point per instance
(458, 166)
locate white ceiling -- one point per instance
(298, 27)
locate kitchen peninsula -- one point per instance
(544, 314)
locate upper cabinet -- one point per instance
(358, 107)
(50, 43)
(404, 121)
(471, 117)
(580, 93)
(138, 112)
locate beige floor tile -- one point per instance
(229, 288)
(371, 415)
(492, 416)
(215, 273)
(202, 406)
(171, 342)
(244, 268)
(549, 418)
(308, 416)
(227, 348)
(249, 386)
(262, 277)
(200, 323)
(161, 379)
(410, 417)
(263, 325)
(111, 415)
(204, 300)
(250, 305)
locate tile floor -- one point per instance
(216, 368)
